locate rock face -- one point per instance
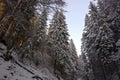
(2, 48)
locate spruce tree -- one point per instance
(99, 38)
(89, 36)
(58, 41)
(16, 27)
(40, 30)
(73, 48)
(73, 59)
(58, 34)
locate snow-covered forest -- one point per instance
(101, 41)
(35, 43)
(32, 49)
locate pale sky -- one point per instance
(76, 11)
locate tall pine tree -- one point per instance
(58, 41)
(58, 33)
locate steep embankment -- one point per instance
(15, 70)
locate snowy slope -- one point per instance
(15, 70)
(9, 70)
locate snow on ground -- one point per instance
(11, 71)
(15, 70)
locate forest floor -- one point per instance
(15, 70)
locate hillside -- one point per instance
(14, 69)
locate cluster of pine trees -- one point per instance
(101, 41)
(24, 29)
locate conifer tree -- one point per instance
(58, 41)
(73, 48)
(40, 29)
(74, 61)
(89, 36)
(58, 31)
(99, 38)
(15, 27)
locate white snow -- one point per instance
(9, 70)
